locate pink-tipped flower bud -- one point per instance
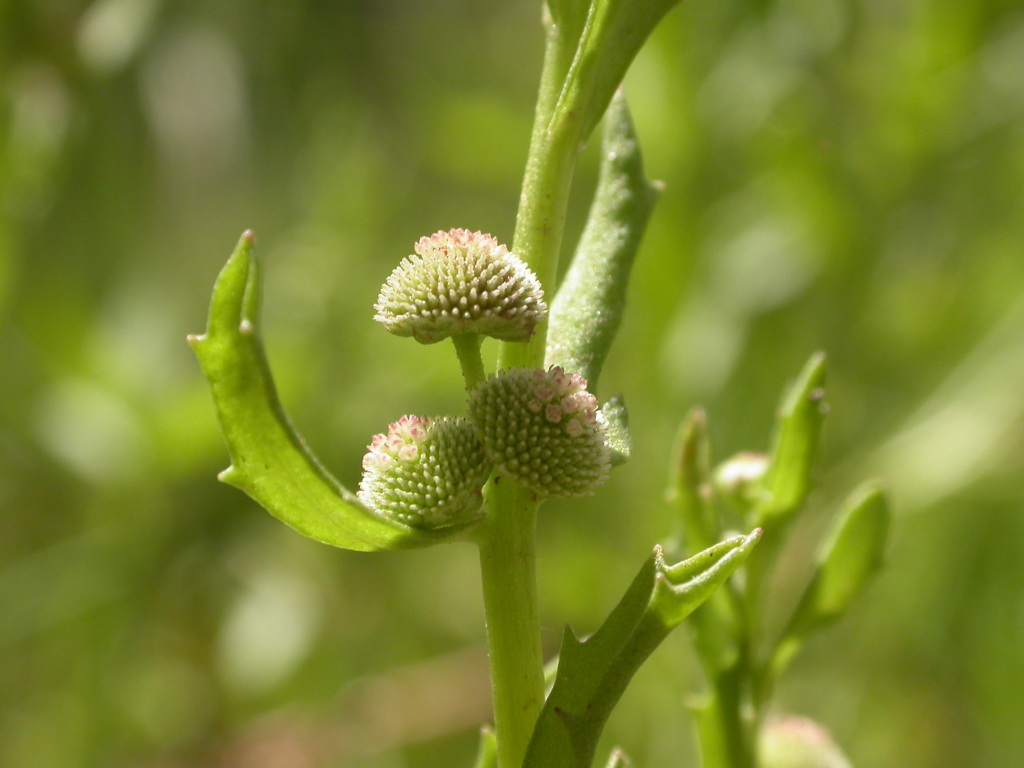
(460, 282)
(796, 742)
(542, 429)
(426, 473)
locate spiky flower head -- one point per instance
(461, 282)
(542, 429)
(426, 473)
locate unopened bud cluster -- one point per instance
(543, 429)
(426, 473)
(460, 282)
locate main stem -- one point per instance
(507, 567)
(507, 553)
(540, 220)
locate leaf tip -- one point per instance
(750, 540)
(228, 304)
(812, 379)
(231, 476)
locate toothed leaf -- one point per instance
(593, 673)
(269, 460)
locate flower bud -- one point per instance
(542, 429)
(739, 478)
(797, 742)
(461, 282)
(426, 473)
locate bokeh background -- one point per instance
(842, 175)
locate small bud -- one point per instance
(739, 478)
(426, 473)
(460, 282)
(796, 742)
(542, 429)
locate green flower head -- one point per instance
(542, 429)
(461, 282)
(426, 473)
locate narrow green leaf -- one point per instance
(620, 443)
(487, 752)
(593, 674)
(269, 460)
(689, 485)
(613, 33)
(854, 554)
(846, 563)
(795, 446)
(848, 560)
(587, 310)
(690, 492)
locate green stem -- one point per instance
(726, 725)
(729, 719)
(724, 735)
(507, 559)
(540, 220)
(507, 567)
(759, 570)
(467, 347)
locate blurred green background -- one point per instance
(844, 175)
